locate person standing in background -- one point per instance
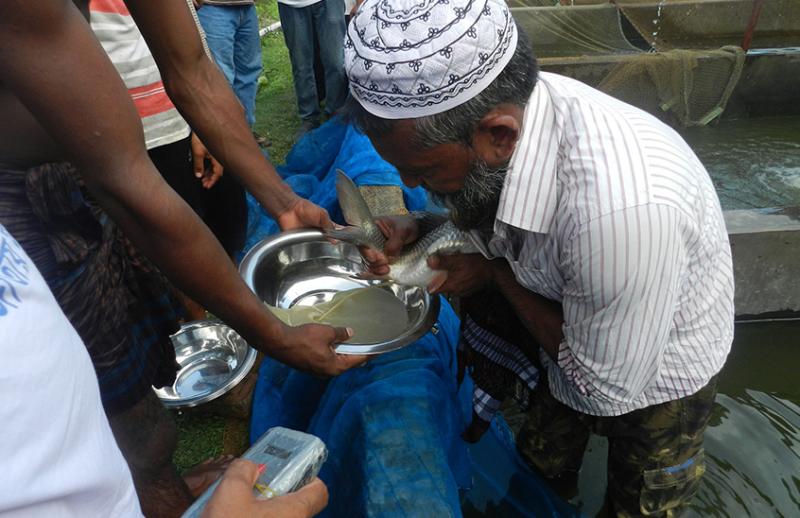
(231, 28)
(302, 21)
(176, 151)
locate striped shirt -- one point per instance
(128, 51)
(608, 211)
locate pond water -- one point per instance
(753, 440)
(754, 163)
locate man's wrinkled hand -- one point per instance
(310, 348)
(399, 231)
(304, 214)
(234, 497)
(208, 175)
(466, 273)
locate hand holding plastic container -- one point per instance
(291, 459)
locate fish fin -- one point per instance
(355, 209)
(369, 276)
(355, 235)
(438, 280)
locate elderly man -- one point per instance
(597, 223)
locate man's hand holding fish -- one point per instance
(466, 273)
(410, 266)
(399, 231)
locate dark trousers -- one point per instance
(223, 207)
(655, 458)
(324, 21)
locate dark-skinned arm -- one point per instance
(470, 273)
(51, 61)
(542, 317)
(202, 94)
(623, 275)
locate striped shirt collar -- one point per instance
(528, 199)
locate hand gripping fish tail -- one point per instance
(411, 267)
(363, 230)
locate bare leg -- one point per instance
(200, 478)
(147, 435)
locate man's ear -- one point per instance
(496, 135)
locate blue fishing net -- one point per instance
(310, 170)
(503, 485)
(392, 427)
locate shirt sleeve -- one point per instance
(623, 273)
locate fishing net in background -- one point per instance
(693, 86)
(661, 25)
(676, 58)
(531, 3)
(534, 3)
(711, 24)
(558, 31)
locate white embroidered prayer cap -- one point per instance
(413, 58)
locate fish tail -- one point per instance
(356, 211)
(355, 235)
(369, 276)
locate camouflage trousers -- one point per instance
(655, 457)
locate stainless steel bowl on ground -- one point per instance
(303, 268)
(213, 359)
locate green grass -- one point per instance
(201, 436)
(276, 109)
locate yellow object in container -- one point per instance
(374, 314)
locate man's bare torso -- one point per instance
(24, 142)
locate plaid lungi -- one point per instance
(117, 301)
(499, 352)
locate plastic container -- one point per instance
(292, 460)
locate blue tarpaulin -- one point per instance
(393, 426)
(310, 171)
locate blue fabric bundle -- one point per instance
(392, 427)
(310, 171)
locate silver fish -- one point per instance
(411, 267)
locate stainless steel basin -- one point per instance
(213, 359)
(303, 268)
